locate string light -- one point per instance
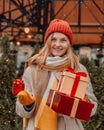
(7, 60)
(26, 30)
(29, 36)
(2, 82)
(18, 43)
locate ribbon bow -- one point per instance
(77, 73)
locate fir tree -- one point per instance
(8, 117)
(97, 79)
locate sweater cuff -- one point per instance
(28, 108)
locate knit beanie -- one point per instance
(61, 26)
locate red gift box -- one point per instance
(73, 83)
(70, 106)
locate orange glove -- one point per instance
(25, 98)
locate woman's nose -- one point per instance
(57, 43)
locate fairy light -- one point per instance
(2, 82)
(18, 43)
(29, 36)
(7, 60)
(26, 30)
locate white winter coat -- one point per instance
(35, 83)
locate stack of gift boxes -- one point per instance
(69, 98)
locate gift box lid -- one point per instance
(72, 75)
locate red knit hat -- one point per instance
(61, 26)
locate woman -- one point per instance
(54, 57)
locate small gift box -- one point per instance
(72, 83)
(70, 106)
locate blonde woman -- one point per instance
(39, 75)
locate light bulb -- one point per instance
(26, 30)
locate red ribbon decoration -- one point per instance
(76, 81)
(77, 73)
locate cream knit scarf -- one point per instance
(44, 113)
(55, 61)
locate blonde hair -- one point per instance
(40, 58)
(73, 59)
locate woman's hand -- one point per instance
(25, 98)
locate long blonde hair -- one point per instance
(40, 58)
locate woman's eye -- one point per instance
(53, 39)
(63, 40)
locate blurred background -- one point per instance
(22, 27)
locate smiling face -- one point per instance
(59, 44)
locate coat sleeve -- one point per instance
(89, 92)
(28, 78)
